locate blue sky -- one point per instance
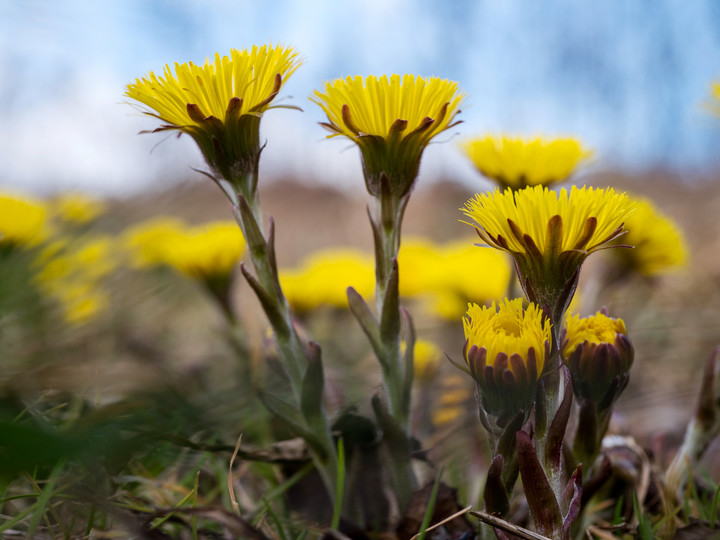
(627, 78)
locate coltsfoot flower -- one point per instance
(77, 208)
(23, 221)
(220, 103)
(517, 163)
(426, 357)
(549, 234)
(658, 242)
(506, 349)
(599, 355)
(444, 277)
(323, 279)
(391, 120)
(207, 252)
(71, 272)
(714, 104)
(147, 242)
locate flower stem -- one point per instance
(301, 361)
(387, 224)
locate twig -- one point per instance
(444, 521)
(233, 500)
(507, 526)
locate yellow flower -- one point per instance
(77, 208)
(81, 304)
(463, 263)
(714, 104)
(23, 221)
(71, 271)
(219, 104)
(549, 234)
(596, 329)
(205, 252)
(323, 279)
(506, 349)
(422, 266)
(147, 241)
(453, 402)
(517, 163)
(391, 120)
(658, 242)
(426, 359)
(599, 356)
(445, 276)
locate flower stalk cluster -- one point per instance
(599, 355)
(528, 361)
(548, 235)
(220, 105)
(391, 120)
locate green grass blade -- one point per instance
(714, 507)
(43, 500)
(339, 486)
(431, 506)
(276, 519)
(193, 518)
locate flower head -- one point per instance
(146, 243)
(391, 120)
(549, 234)
(23, 221)
(77, 208)
(323, 279)
(517, 163)
(219, 104)
(659, 246)
(506, 349)
(205, 252)
(599, 355)
(71, 272)
(426, 360)
(444, 277)
(714, 104)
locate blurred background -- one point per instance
(627, 79)
(90, 337)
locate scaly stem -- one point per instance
(387, 222)
(292, 350)
(306, 394)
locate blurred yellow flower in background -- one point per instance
(71, 272)
(23, 221)
(517, 163)
(658, 242)
(714, 104)
(453, 402)
(77, 208)
(446, 275)
(426, 357)
(323, 277)
(146, 241)
(205, 251)
(422, 267)
(208, 250)
(391, 120)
